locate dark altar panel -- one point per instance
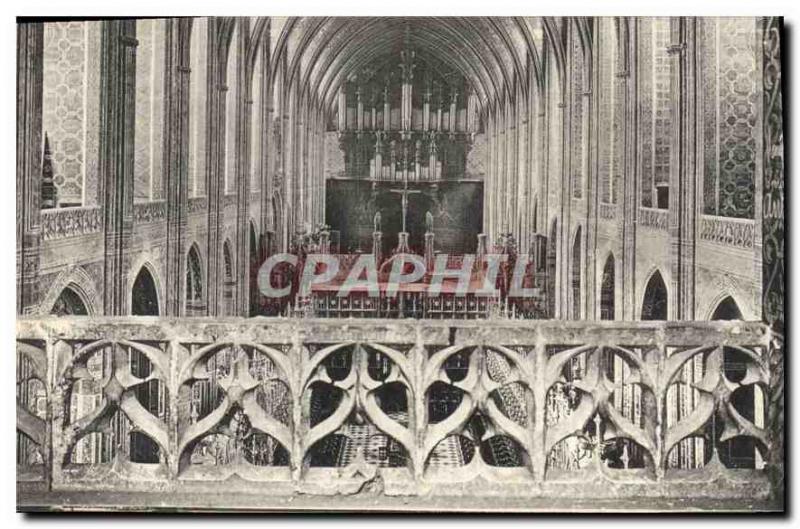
(457, 209)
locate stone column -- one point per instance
(117, 115)
(244, 109)
(215, 141)
(591, 107)
(268, 149)
(683, 165)
(632, 163)
(176, 158)
(30, 44)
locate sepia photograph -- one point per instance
(420, 264)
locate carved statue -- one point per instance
(377, 221)
(428, 222)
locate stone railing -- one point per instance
(607, 211)
(61, 223)
(146, 212)
(271, 411)
(229, 200)
(198, 205)
(728, 231)
(654, 218)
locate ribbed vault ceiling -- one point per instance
(492, 53)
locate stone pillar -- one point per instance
(628, 76)
(591, 107)
(215, 171)
(176, 158)
(117, 115)
(683, 165)
(244, 109)
(268, 149)
(30, 44)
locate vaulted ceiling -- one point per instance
(492, 53)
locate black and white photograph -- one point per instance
(388, 264)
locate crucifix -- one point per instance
(403, 237)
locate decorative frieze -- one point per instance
(229, 200)
(654, 218)
(146, 212)
(198, 205)
(71, 222)
(728, 231)
(607, 211)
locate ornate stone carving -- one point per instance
(145, 212)
(71, 222)
(607, 211)
(654, 218)
(198, 205)
(727, 231)
(505, 372)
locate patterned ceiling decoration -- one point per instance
(492, 53)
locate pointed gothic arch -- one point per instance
(195, 296)
(70, 303)
(655, 300)
(144, 293)
(254, 254)
(576, 276)
(228, 280)
(78, 281)
(607, 289)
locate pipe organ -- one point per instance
(406, 116)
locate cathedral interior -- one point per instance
(633, 161)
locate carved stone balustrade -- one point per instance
(607, 211)
(61, 223)
(728, 231)
(146, 212)
(198, 205)
(286, 392)
(654, 218)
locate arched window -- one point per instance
(229, 282)
(70, 113)
(255, 263)
(144, 295)
(194, 283)
(198, 88)
(577, 275)
(607, 290)
(231, 114)
(654, 306)
(69, 303)
(149, 121)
